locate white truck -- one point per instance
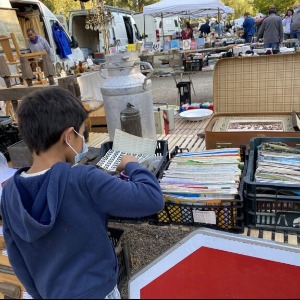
(123, 32)
(154, 29)
(34, 14)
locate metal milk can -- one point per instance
(131, 120)
(125, 83)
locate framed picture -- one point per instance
(200, 43)
(255, 125)
(148, 46)
(113, 50)
(194, 45)
(167, 46)
(175, 44)
(186, 44)
(295, 121)
(156, 46)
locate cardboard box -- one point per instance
(253, 86)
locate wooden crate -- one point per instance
(253, 86)
(97, 120)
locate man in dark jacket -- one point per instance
(249, 28)
(271, 30)
(205, 28)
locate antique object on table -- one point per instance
(196, 114)
(254, 96)
(131, 120)
(125, 83)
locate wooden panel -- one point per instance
(98, 117)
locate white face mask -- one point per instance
(296, 9)
(85, 149)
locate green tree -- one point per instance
(240, 7)
(64, 6)
(281, 5)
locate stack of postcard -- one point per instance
(207, 177)
(278, 163)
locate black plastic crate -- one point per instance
(121, 245)
(161, 150)
(270, 206)
(229, 214)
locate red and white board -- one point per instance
(211, 264)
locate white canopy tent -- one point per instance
(184, 8)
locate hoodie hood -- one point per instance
(34, 210)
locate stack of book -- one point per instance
(207, 177)
(278, 163)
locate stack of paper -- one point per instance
(210, 176)
(278, 163)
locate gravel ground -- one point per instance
(146, 243)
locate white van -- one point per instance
(123, 32)
(154, 28)
(46, 19)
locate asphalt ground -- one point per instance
(164, 85)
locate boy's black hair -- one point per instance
(43, 116)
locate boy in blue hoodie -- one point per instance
(55, 213)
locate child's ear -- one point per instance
(66, 135)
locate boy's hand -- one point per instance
(125, 160)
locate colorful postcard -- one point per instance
(175, 44)
(200, 42)
(194, 45)
(148, 46)
(167, 46)
(186, 44)
(156, 46)
(113, 50)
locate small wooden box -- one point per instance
(97, 120)
(254, 86)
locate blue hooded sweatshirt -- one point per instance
(55, 226)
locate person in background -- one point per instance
(205, 28)
(36, 43)
(187, 32)
(295, 26)
(55, 213)
(258, 22)
(271, 30)
(219, 28)
(286, 22)
(249, 28)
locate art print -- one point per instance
(255, 125)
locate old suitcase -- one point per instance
(259, 90)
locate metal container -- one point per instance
(125, 83)
(131, 120)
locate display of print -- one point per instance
(255, 125)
